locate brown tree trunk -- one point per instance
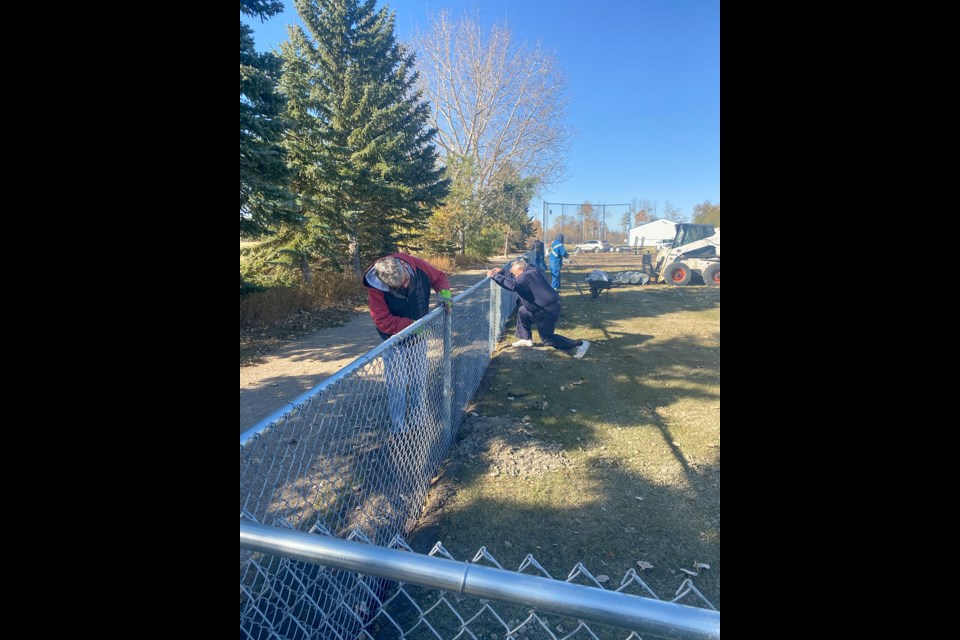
(306, 270)
(355, 257)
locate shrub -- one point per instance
(338, 288)
(446, 263)
(264, 308)
(486, 243)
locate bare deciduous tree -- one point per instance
(672, 213)
(643, 211)
(497, 102)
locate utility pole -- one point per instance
(544, 223)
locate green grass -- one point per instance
(643, 445)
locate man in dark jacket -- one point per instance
(399, 291)
(538, 259)
(539, 304)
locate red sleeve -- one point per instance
(438, 279)
(382, 318)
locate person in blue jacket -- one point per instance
(557, 254)
(539, 304)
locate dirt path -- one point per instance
(303, 364)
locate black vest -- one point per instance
(412, 302)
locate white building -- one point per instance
(647, 235)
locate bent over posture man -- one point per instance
(539, 304)
(399, 291)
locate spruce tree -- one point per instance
(366, 171)
(264, 199)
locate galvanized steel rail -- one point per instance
(642, 615)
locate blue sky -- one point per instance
(644, 76)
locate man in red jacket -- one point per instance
(399, 291)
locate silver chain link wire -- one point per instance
(353, 458)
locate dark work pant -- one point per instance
(545, 320)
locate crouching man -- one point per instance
(539, 305)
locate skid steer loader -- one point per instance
(696, 250)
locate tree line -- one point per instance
(351, 147)
(597, 221)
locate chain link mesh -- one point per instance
(354, 458)
(357, 454)
(309, 601)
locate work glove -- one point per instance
(446, 300)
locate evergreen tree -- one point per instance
(264, 199)
(366, 170)
(261, 8)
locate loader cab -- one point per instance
(688, 232)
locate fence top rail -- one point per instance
(292, 405)
(475, 287)
(636, 613)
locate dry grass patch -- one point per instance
(637, 422)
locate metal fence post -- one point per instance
(447, 375)
(494, 316)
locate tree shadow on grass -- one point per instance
(609, 519)
(655, 499)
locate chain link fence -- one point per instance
(585, 221)
(358, 451)
(437, 597)
(353, 458)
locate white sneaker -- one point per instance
(523, 343)
(582, 349)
